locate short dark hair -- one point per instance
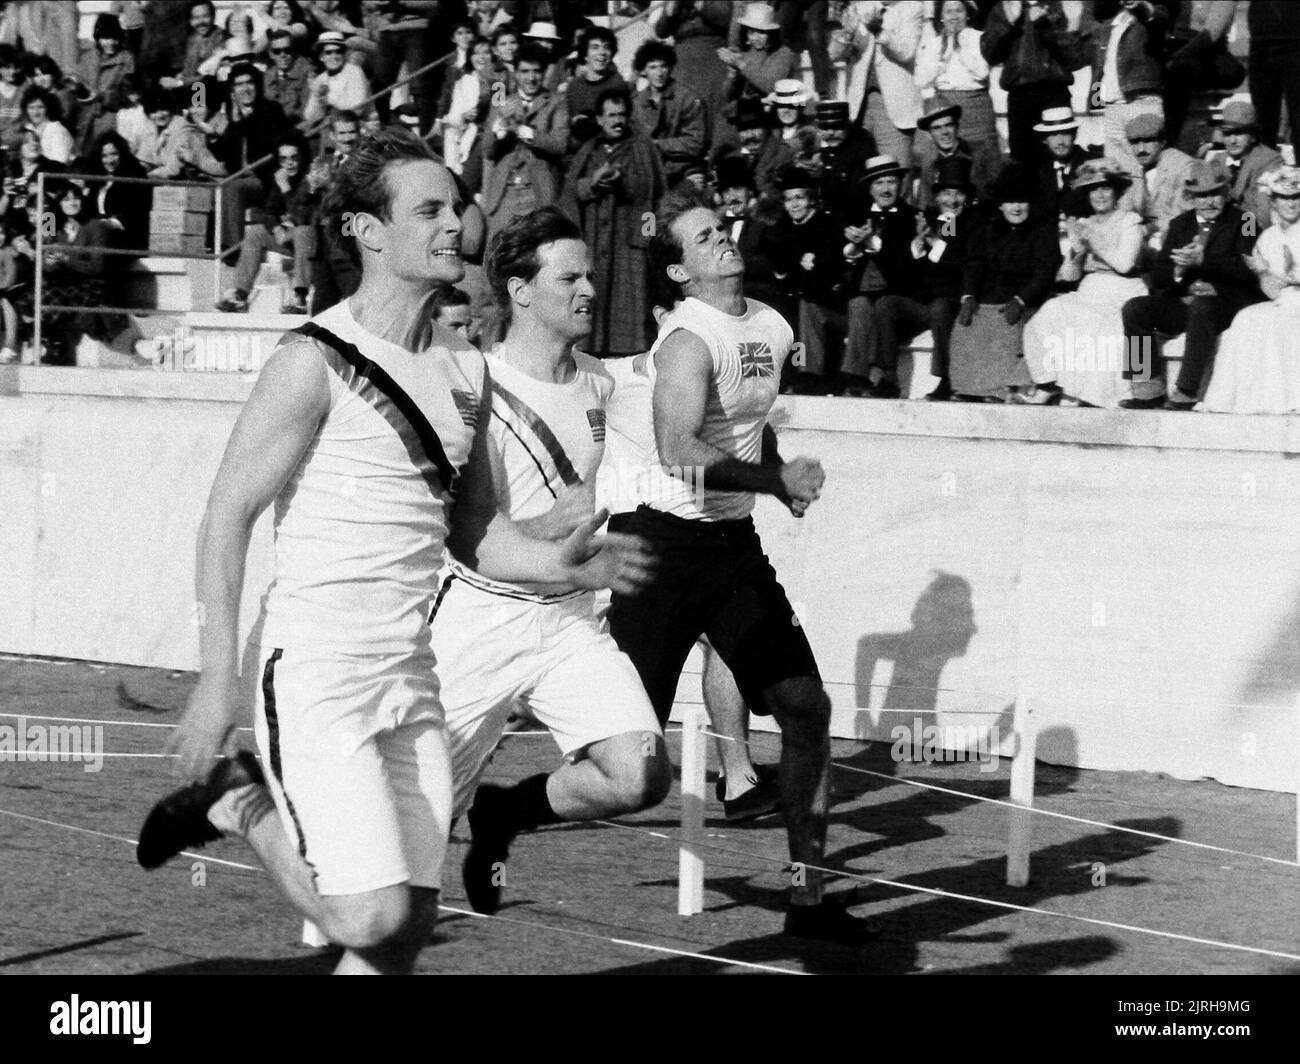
(599, 33)
(107, 27)
(613, 92)
(506, 29)
(513, 249)
(532, 52)
(40, 64)
(240, 70)
(446, 296)
(665, 248)
(212, 8)
(651, 51)
(360, 185)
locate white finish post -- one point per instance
(1022, 794)
(690, 863)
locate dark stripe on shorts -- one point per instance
(442, 594)
(542, 431)
(378, 377)
(273, 736)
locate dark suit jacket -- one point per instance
(894, 260)
(1224, 265)
(822, 237)
(1051, 200)
(1008, 261)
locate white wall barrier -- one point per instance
(1136, 575)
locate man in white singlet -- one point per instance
(715, 367)
(540, 647)
(367, 432)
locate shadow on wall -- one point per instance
(943, 623)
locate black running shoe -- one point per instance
(489, 847)
(180, 821)
(760, 800)
(829, 921)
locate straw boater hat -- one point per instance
(1284, 181)
(1057, 120)
(937, 107)
(542, 31)
(1204, 177)
(1097, 172)
(330, 37)
(787, 92)
(760, 17)
(881, 166)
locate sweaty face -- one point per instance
(562, 296)
(708, 252)
(420, 241)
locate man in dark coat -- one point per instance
(613, 185)
(845, 149)
(938, 252)
(1199, 283)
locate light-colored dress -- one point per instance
(1077, 339)
(1257, 369)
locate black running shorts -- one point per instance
(712, 578)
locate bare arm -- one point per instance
(273, 432)
(680, 397)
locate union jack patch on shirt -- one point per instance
(596, 419)
(467, 405)
(756, 359)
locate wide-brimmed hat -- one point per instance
(543, 31)
(1204, 177)
(1239, 114)
(1097, 172)
(759, 17)
(1012, 185)
(953, 172)
(881, 166)
(832, 114)
(787, 92)
(1283, 181)
(1057, 120)
(937, 107)
(1146, 126)
(794, 176)
(330, 37)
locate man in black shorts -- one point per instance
(716, 366)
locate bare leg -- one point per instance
(382, 931)
(730, 717)
(621, 774)
(803, 711)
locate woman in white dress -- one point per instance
(1075, 346)
(1257, 369)
(469, 103)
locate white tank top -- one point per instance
(360, 525)
(546, 437)
(629, 435)
(748, 352)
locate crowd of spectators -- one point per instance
(874, 201)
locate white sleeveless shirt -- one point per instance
(748, 352)
(546, 437)
(360, 525)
